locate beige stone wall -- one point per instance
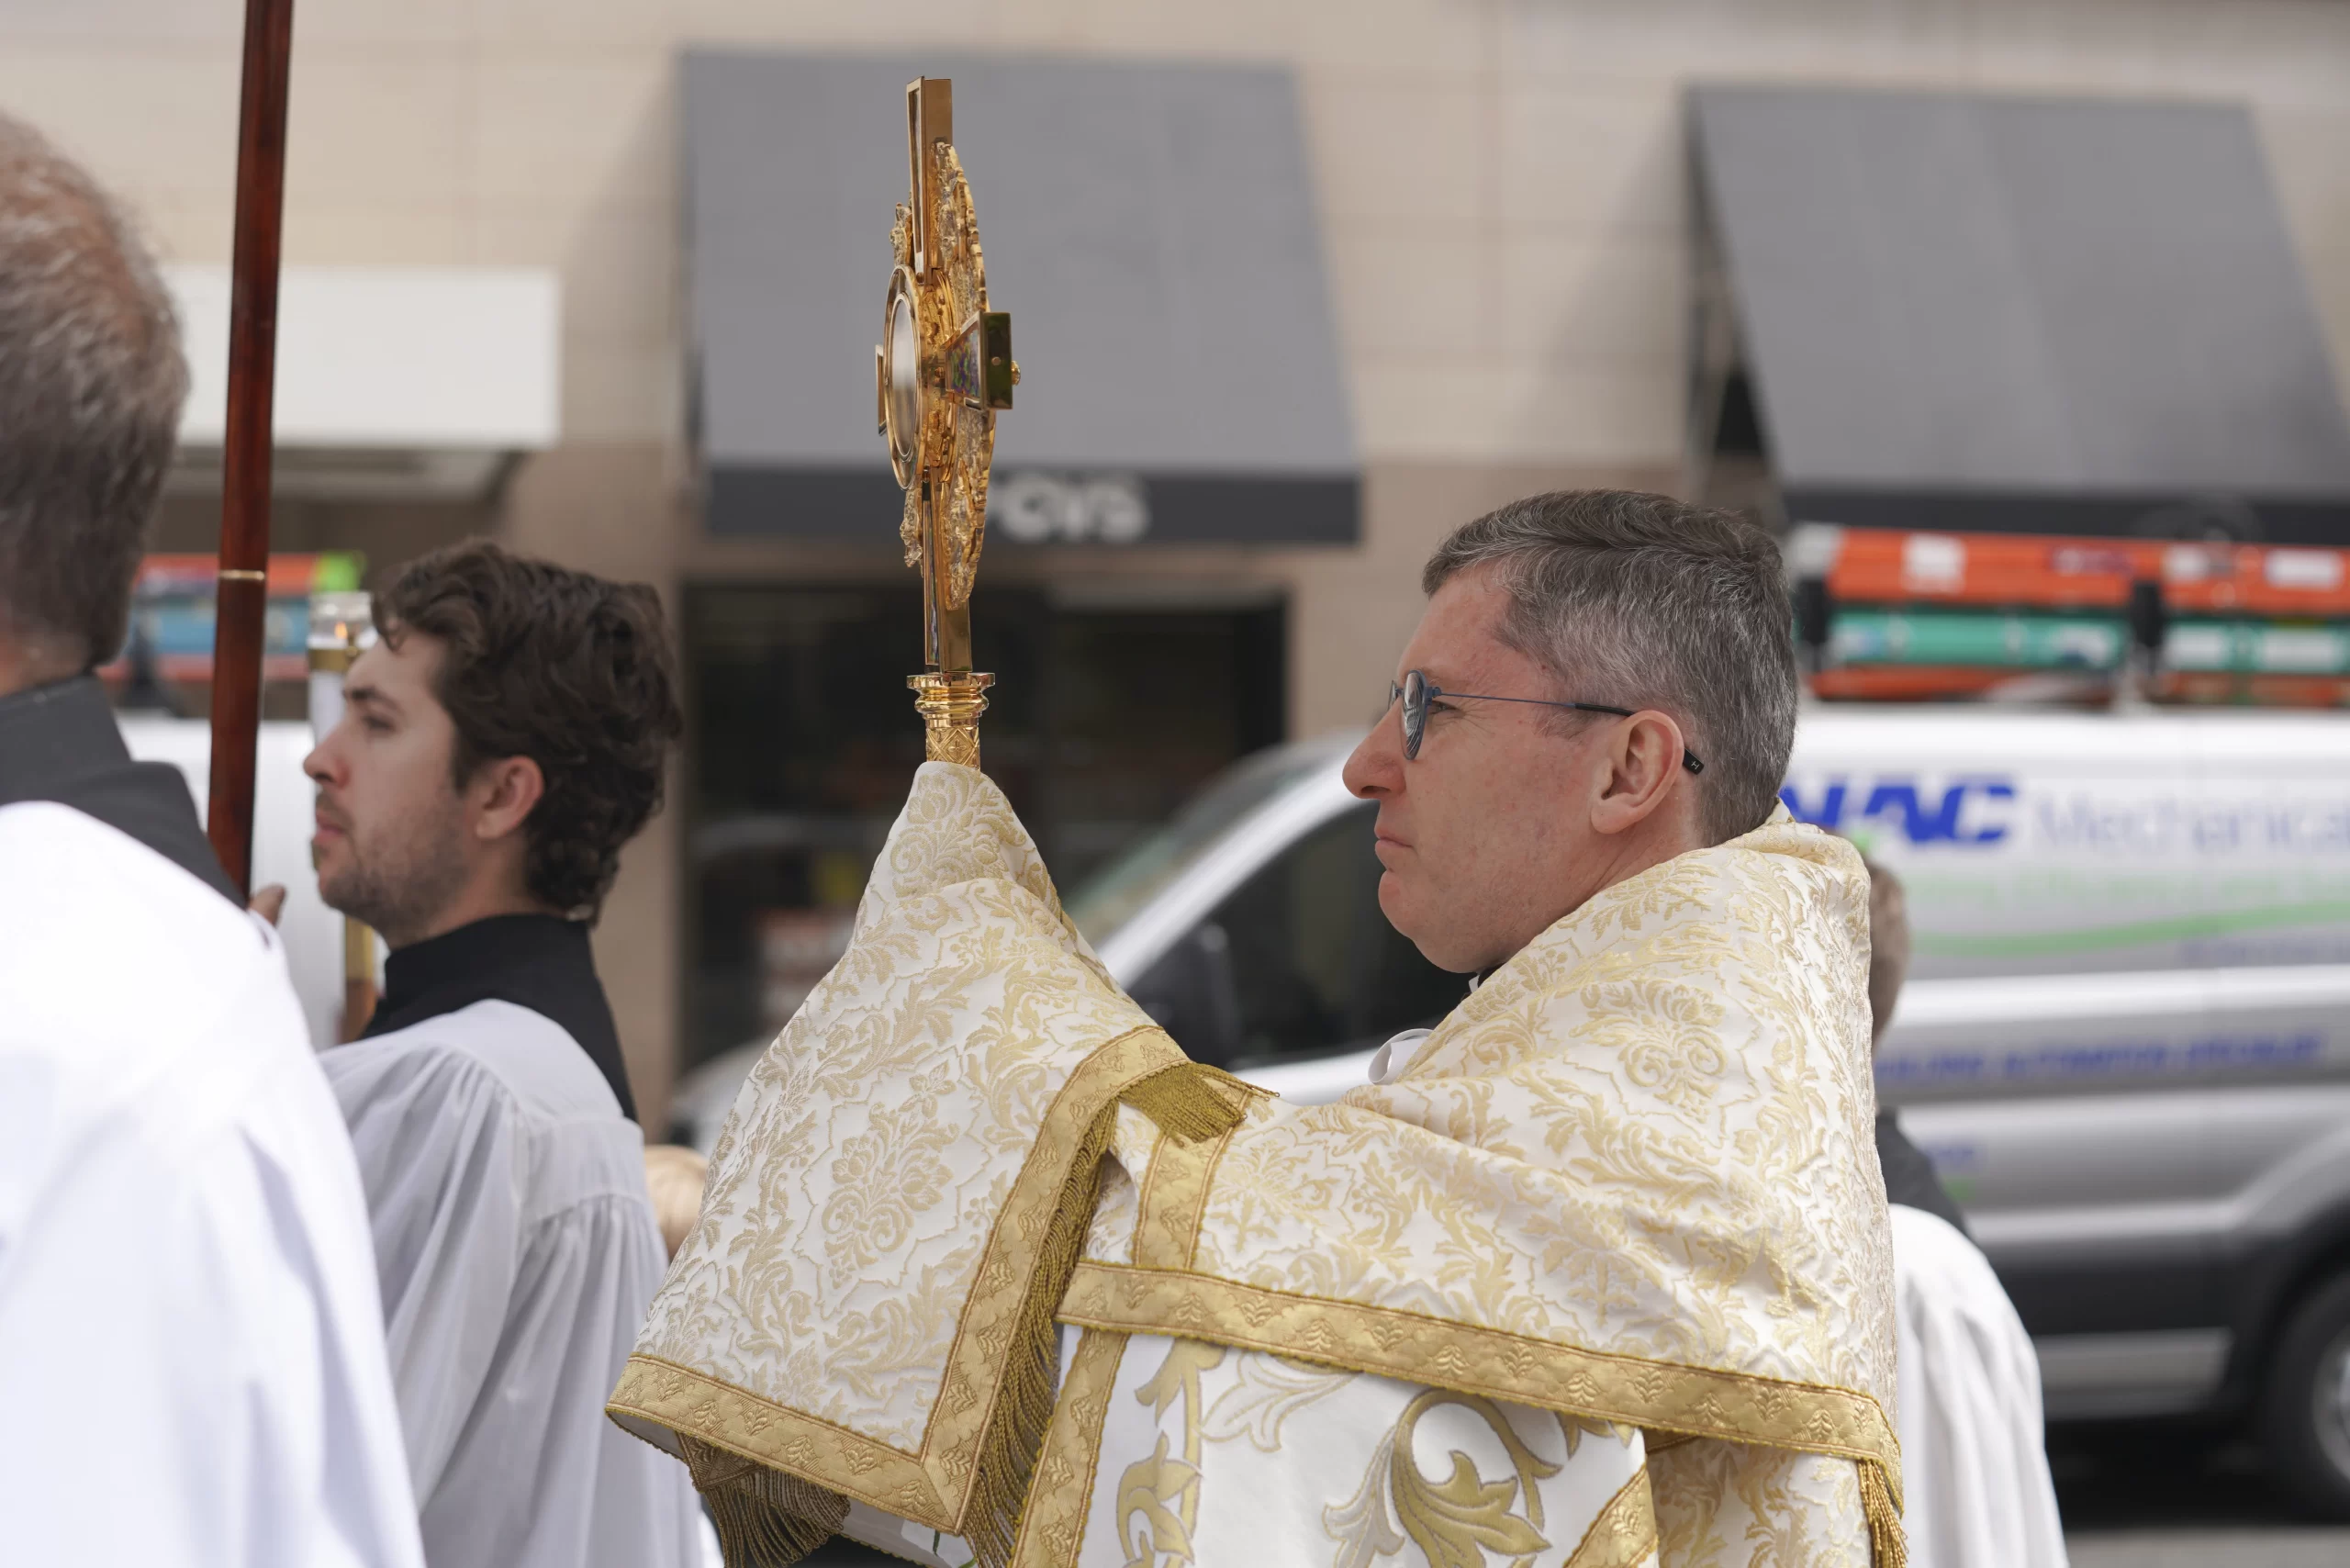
(1501, 181)
(1500, 184)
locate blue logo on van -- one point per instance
(1969, 810)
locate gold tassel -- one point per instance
(1189, 1102)
(1888, 1546)
(1016, 1432)
(766, 1519)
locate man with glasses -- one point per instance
(1596, 1272)
(1505, 798)
(1577, 777)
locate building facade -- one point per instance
(1502, 194)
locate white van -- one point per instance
(2125, 1042)
(282, 823)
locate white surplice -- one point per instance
(190, 1344)
(1973, 1451)
(518, 1250)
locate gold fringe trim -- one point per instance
(1888, 1546)
(1052, 1526)
(766, 1519)
(1024, 1407)
(1188, 1101)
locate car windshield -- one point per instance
(1110, 896)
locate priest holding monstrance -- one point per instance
(1594, 1272)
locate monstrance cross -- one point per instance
(943, 369)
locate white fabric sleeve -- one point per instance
(1973, 1459)
(436, 1141)
(588, 1494)
(185, 1389)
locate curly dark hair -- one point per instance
(574, 673)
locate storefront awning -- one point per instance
(2025, 313)
(1150, 229)
(392, 383)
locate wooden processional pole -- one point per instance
(243, 592)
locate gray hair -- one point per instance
(1640, 601)
(1889, 945)
(91, 383)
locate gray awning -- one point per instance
(1961, 310)
(1151, 230)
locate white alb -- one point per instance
(518, 1250)
(190, 1339)
(1974, 1459)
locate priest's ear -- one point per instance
(1643, 770)
(502, 795)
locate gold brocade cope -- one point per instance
(1630, 1184)
(865, 1308)
(1631, 1179)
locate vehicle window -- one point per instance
(1110, 896)
(1299, 960)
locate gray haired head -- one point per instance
(91, 383)
(1639, 601)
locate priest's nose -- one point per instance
(1376, 768)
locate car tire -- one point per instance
(2305, 1408)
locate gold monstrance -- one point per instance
(942, 371)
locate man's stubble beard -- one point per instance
(403, 878)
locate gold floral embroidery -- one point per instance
(1359, 1524)
(1266, 1392)
(1628, 1180)
(932, 1484)
(1624, 1535)
(1724, 1503)
(1052, 1526)
(1413, 1348)
(882, 1179)
(1574, 1429)
(1163, 1492)
(1174, 1195)
(1455, 1522)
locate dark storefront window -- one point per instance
(804, 740)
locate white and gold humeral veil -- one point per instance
(987, 1270)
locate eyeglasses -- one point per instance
(1417, 691)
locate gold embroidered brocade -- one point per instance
(1630, 1181)
(1203, 1455)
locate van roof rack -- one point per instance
(1911, 615)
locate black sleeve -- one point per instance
(1910, 1178)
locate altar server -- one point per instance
(1598, 1275)
(1973, 1444)
(190, 1347)
(499, 744)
